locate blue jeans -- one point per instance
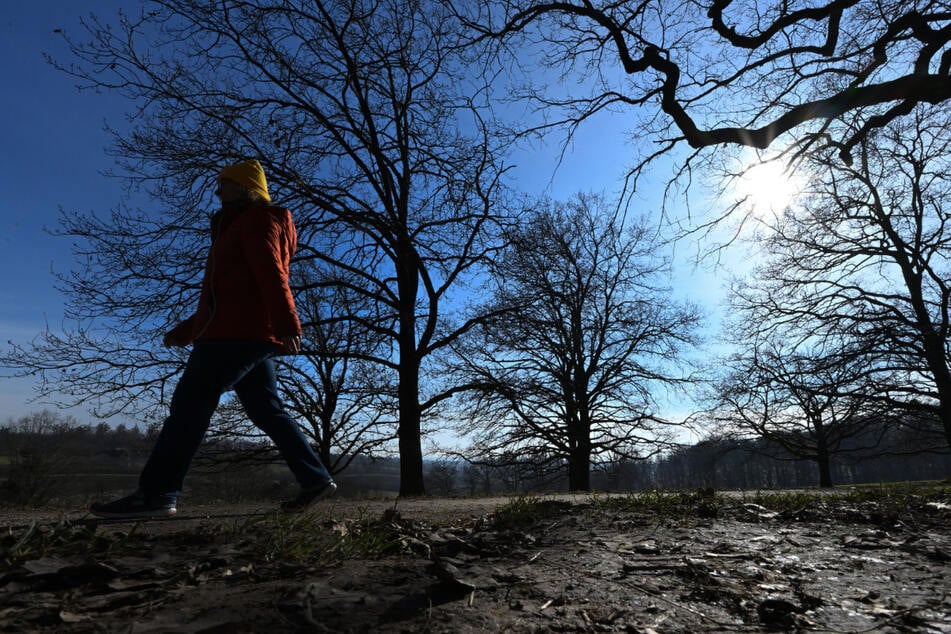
(214, 367)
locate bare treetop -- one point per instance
(742, 72)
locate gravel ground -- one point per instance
(545, 564)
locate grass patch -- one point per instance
(876, 502)
(275, 537)
(893, 500)
(664, 504)
(889, 491)
(38, 540)
(525, 510)
(887, 498)
(786, 501)
(315, 540)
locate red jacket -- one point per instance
(245, 293)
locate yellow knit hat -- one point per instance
(248, 174)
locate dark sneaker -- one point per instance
(310, 496)
(136, 506)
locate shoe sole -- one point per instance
(142, 515)
(326, 493)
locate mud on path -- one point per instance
(685, 563)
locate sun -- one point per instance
(767, 188)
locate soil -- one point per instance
(545, 564)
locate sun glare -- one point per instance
(767, 189)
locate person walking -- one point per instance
(245, 316)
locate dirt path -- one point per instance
(425, 509)
(560, 563)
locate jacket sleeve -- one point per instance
(188, 330)
(270, 240)
(183, 333)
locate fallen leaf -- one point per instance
(73, 617)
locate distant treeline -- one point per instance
(48, 458)
(885, 451)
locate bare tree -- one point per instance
(37, 456)
(342, 395)
(735, 73)
(368, 123)
(866, 259)
(812, 404)
(567, 371)
(442, 475)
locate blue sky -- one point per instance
(55, 154)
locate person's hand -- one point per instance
(291, 344)
(172, 340)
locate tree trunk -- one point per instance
(944, 413)
(410, 444)
(823, 460)
(934, 348)
(327, 423)
(825, 470)
(411, 450)
(943, 385)
(937, 362)
(579, 467)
